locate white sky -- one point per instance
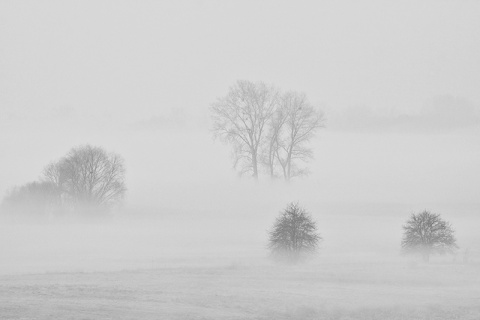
(137, 59)
(74, 72)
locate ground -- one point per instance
(220, 269)
(317, 289)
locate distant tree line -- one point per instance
(87, 180)
(266, 128)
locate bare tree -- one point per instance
(52, 173)
(294, 234)
(294, 124)
(240, 118)
(426, 233)
(271, 145)
(88, 177)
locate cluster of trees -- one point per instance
(266, 128)
(87, 180)
(295, 235)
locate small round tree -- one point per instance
(294, 234)
(426, 233)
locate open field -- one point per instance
(212, 268)
(321, 289)
(150, 150)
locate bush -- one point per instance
(426, 233)
(294, 234)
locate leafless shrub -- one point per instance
(427, 233)
(294, 234)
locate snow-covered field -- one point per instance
(221, 270)
(324, 289)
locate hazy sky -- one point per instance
(140, 59)
(74, 72)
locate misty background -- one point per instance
(398, 83)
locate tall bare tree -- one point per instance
(88, 177)
(271, 145)
(292, 127)
(240, 118)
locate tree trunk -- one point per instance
(284, 172)
(289, 165)
(271, 160)
(255, 165)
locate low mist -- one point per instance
(186, 203)
(149, 151)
